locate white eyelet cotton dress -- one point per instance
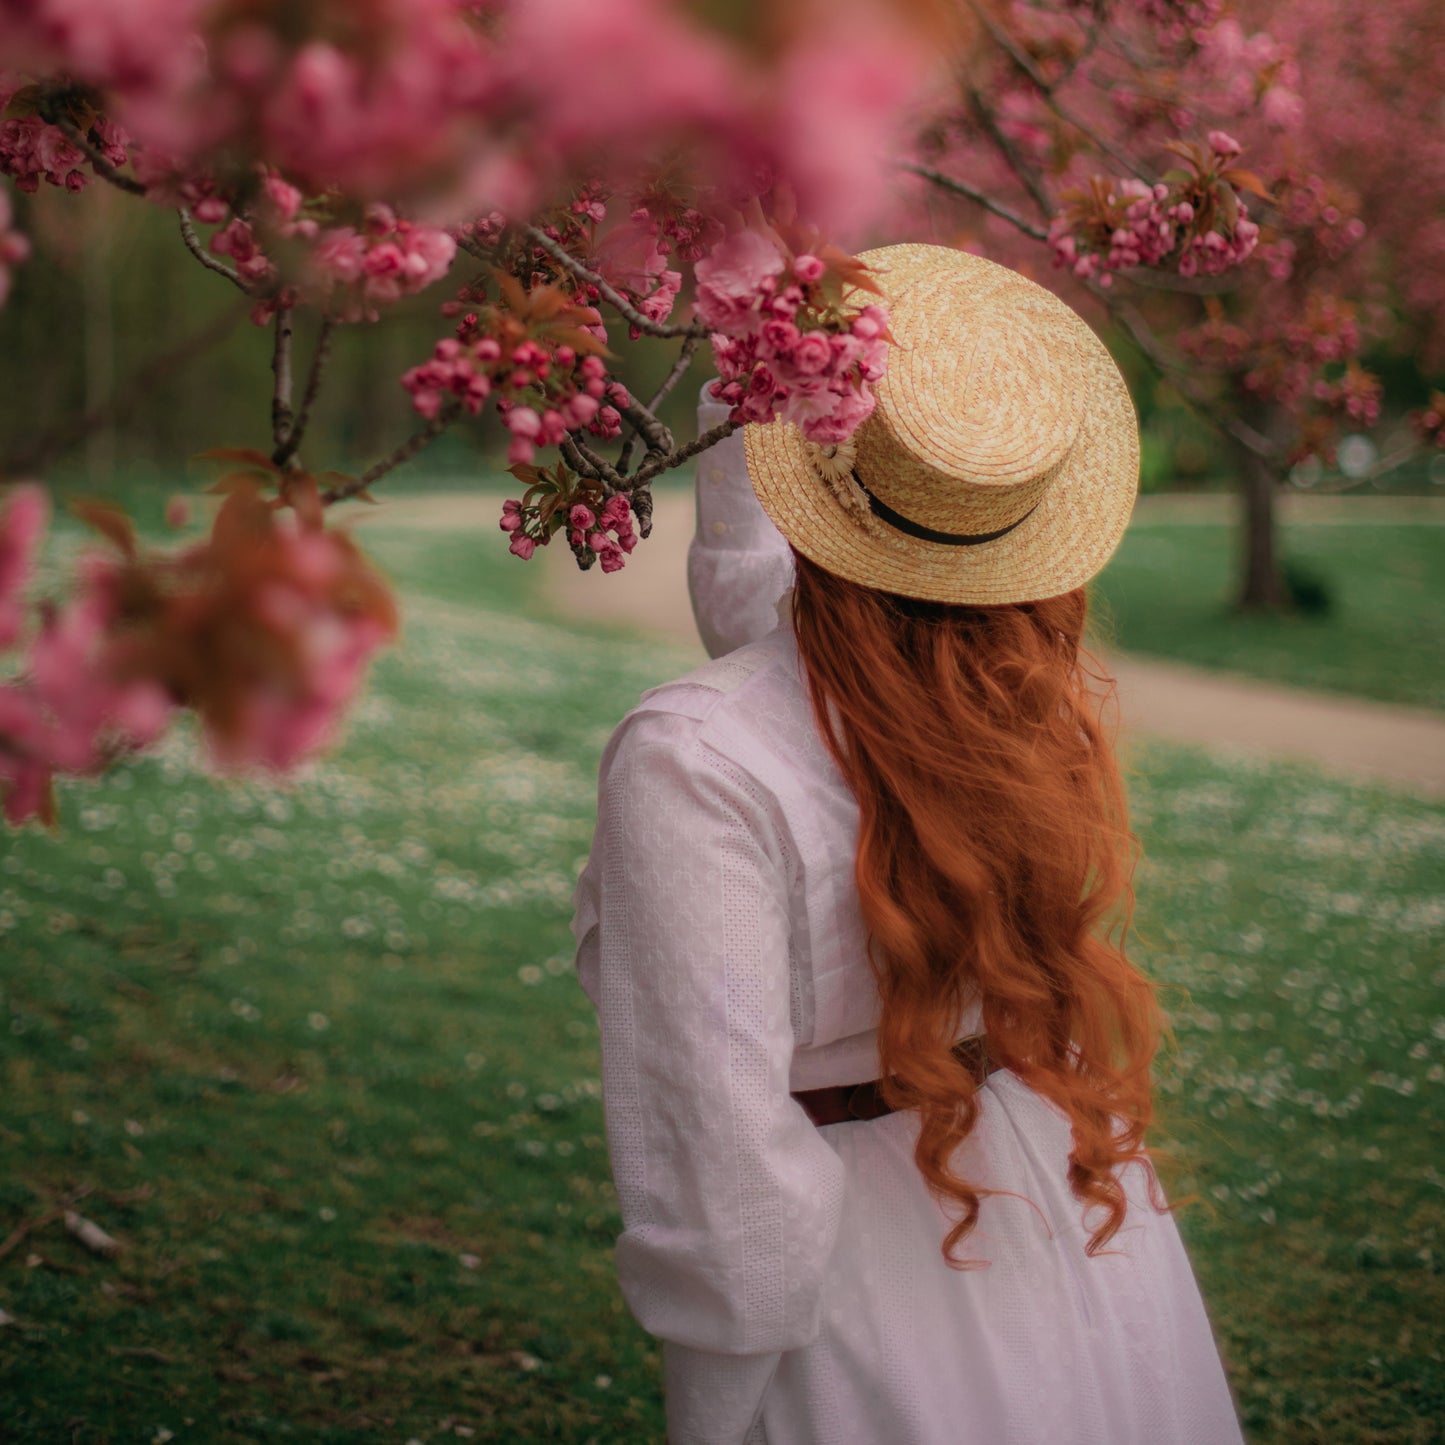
(795, 1274)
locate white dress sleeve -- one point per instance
(739, 565)
(730, 1198)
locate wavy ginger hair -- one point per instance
(994, 863)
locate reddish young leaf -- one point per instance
(109, 520)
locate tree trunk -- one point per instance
(1262, 585)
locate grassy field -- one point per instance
(1168, 588)
(314, 1055)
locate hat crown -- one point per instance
(978, 409)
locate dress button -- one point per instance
(719, 529)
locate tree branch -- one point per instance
(679, 370)
(319, 358)
(962, 188)
(103, 167)
(282, 417)
(583, 459)
(610, 294)
(1028, 177)
(1021, 59)
(418, 441)
(709, 438)
(1182, 378)
(210, 262)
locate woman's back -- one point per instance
(795, 1274)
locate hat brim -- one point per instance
(1064, 542)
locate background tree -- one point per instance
(1205, 185)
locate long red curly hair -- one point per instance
(995, 863)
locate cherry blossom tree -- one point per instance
(558, 164)
(1249, 196)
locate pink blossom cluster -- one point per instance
(1321, 213)
(680, 229)
(74, 703)
(32, 150)
(1429, 421)
(781, 350)
(1241, 75)
(301, 611)
(14, 246)
(1355, 394)
(143, 48)
(604, 533)
(1199, 225)
(1307, 362)
(348, 272)
(541, 391)
(631, 258)
(354, 273)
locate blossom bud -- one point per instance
(808, 268)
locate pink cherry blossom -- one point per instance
(731, 280)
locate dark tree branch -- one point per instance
(583, 459)
(679, 370)
(1046, 88)
(210, 262)
(319, 358)
(418, 441)
(657, 465)
(282, 417)
(1181, 375)
(103, 167)
(610, 294)
(1026, 173)
(962, 188)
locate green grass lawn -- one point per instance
(315, 1056)
(1167, 593)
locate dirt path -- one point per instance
(1404, 746)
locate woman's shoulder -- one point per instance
(724, 710)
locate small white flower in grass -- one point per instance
(533, 1148)
(516, 1090)
(548, 1102)
(162, 1435)
(530, 974)
(528, 1362)
(79, 1116)
(1370, 1155)
(475, 1061)
(603, 1382)
(469, 1261)
(318, 1021)
(565, 1147)
(134, 1128)
(465, 1431)
(326, 1213)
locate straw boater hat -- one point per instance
(1001, 462)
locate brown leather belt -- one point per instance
(840, 1102)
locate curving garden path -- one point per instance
(1372, 740)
